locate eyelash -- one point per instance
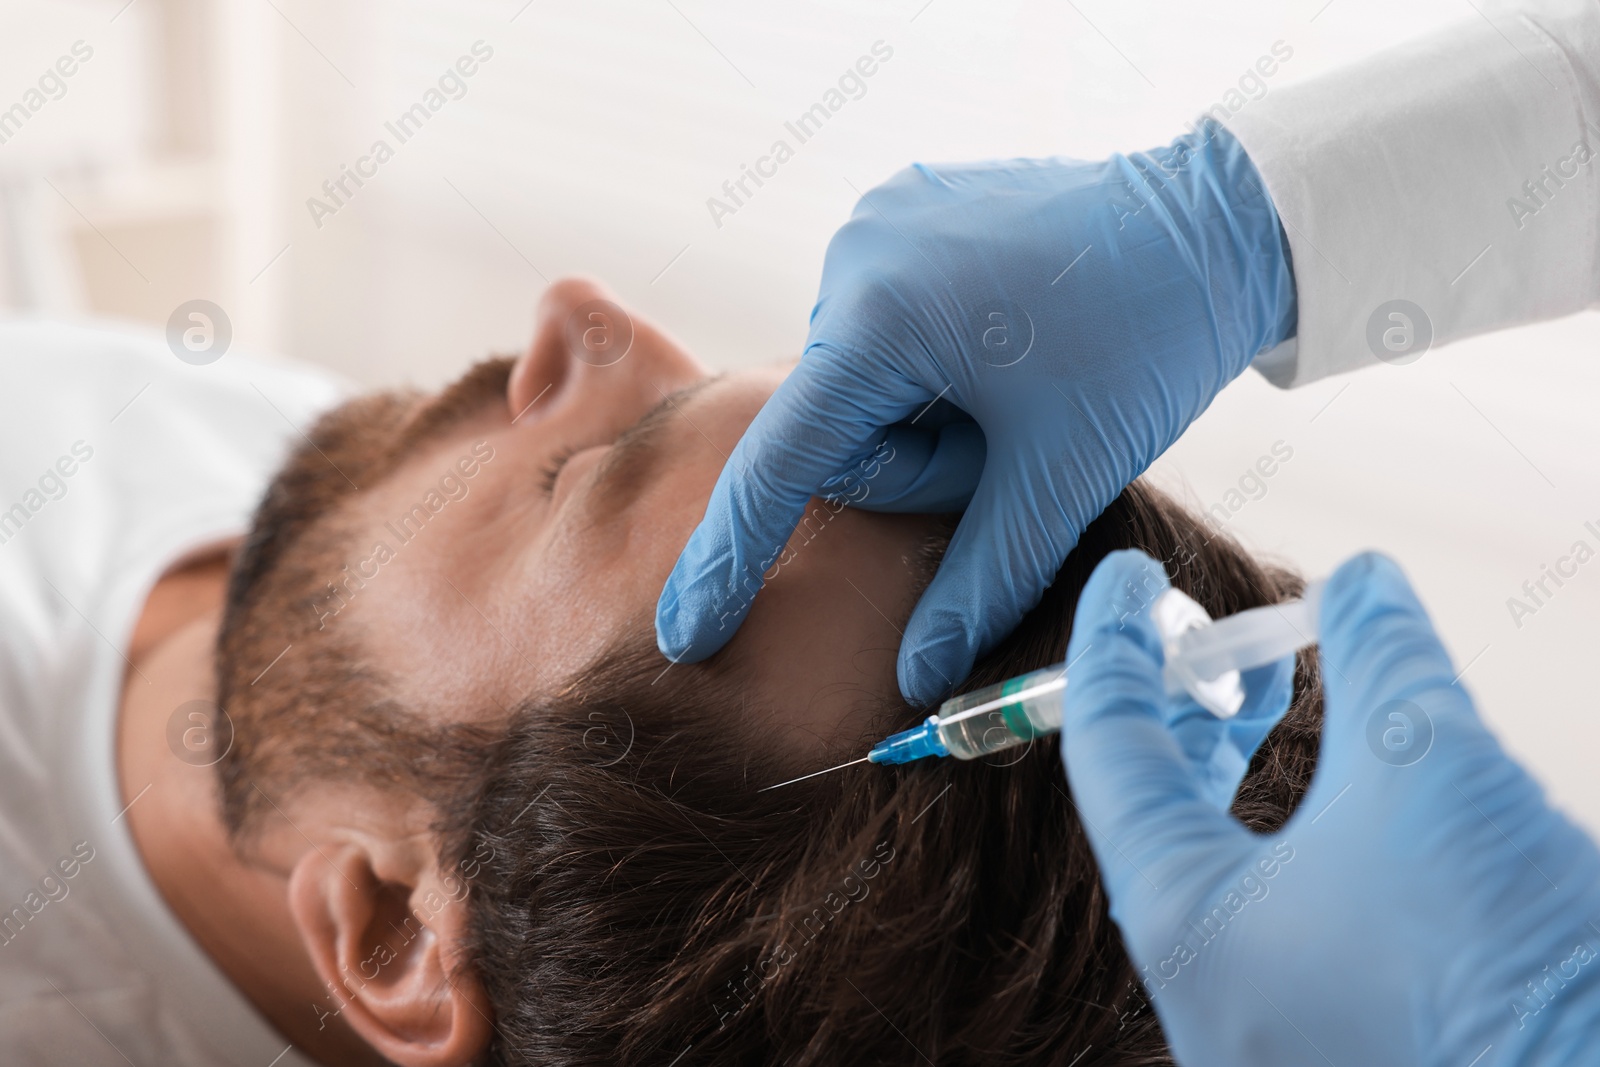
(552, 470)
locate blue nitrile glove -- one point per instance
(1423, 905)
(1027, 336)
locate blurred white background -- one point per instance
(179, 161)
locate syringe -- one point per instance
(1201, 657)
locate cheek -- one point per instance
(596, 583)
(602, 578)
(643, 541)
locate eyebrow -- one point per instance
(634, 452)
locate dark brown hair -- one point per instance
(646, 905)
(634, 899)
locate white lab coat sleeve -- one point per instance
(1457, 172)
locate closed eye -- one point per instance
(552, 470)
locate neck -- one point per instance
(238, 913)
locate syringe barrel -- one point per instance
(1016, 722)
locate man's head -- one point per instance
(509, 827)
(426, 564)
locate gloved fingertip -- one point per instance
(1121, 590)
(1391, 689)
(1371, 618)
(1114, 657)
(693, 627)
(690, 622)
(670, 639)
(929, 675)
(1364, 581)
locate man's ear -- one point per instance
(386, 949)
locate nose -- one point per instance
(590, 352)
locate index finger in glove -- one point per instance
(824, 417)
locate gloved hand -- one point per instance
(1028, 336)
(1423, 905)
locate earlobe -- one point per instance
(385, 951)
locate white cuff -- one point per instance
(1459, 172)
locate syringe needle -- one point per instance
(813, 774)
